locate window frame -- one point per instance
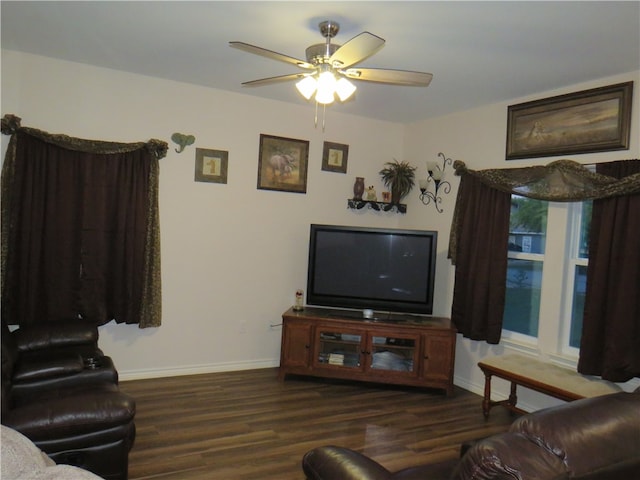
(558, 275)
(573, 260)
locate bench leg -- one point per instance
(513, 397)
(486, 401)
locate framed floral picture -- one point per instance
(282, 164)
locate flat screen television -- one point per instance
(381, 269)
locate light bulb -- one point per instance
(344, 89)
(326, 88)
(307, 86)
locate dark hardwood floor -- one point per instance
(248, 425)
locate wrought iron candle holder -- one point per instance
(435, 177)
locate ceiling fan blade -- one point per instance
(355, 50)
(266, 81)
(270, 54)
(393, 77)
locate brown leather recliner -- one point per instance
(590, 439)
(61, 392)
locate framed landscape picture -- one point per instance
(334, 157)
(589, 121)
(282, 164)
(211, 165)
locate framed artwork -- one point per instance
(589, 121)
(334, 157)
(282, 164)
(211, 165)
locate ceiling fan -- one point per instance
(330, 66)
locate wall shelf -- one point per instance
(377, 206)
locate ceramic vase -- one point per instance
(358, 188)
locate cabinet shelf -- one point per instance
(377, 206)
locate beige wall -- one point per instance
(232, 255)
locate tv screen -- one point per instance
(372, 268)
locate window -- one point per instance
(577, 268)
(527, 238)
(546, 274)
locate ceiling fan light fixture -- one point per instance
(344, 89)
(324, 97)
(307, 86)
(326, 87)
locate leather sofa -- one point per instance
(60, 391)
(590, 439)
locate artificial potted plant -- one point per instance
(399, 177)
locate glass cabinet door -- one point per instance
(339, 348)
(393, 353)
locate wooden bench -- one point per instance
(540, 376)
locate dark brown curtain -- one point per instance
(80, 232)
(480, 256)
(610, 344)
(478, 244)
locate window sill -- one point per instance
(526, 348)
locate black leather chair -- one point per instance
(60, 391)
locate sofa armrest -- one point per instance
(331, 463)
(55, 335)
(590, 434)
(507, 456)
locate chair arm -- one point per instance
(331, 463)
(54, 335)
(72, 412)
(37, 368)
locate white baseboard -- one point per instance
(472, 387)
(195, 369)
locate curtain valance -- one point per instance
(157, 148)
(559, 181)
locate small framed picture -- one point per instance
(211, 165)
(334, 157)
(282, 164)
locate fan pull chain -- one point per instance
(324, 114)
(315, 118)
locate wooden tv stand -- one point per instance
(392, 348)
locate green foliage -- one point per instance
(399, 177)
(528, 215)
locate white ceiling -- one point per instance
(479, 52)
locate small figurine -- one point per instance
(371, 194)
